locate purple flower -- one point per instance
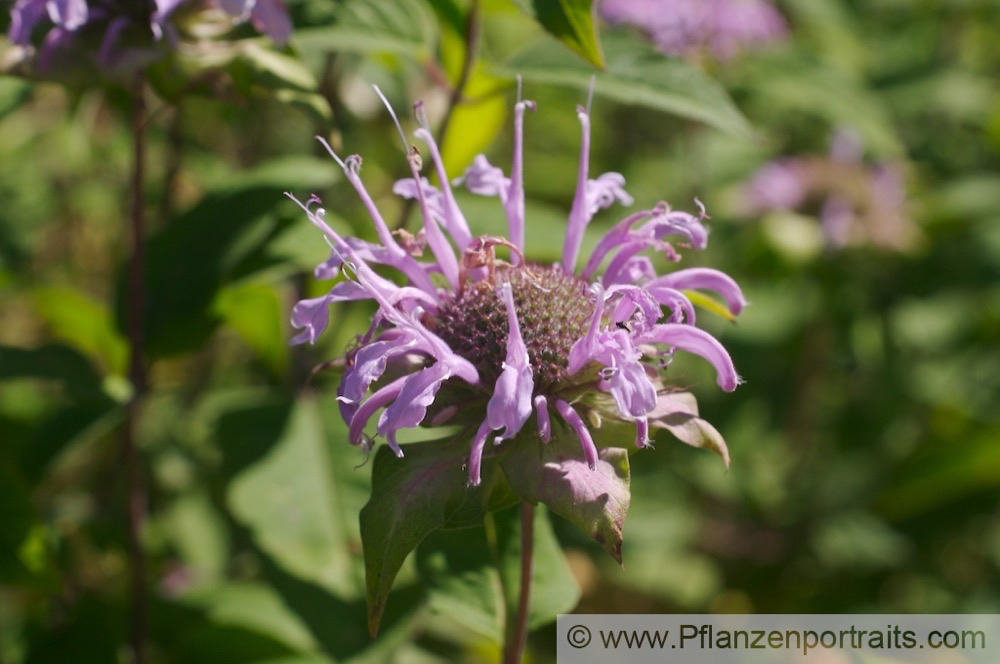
(126, 33)
(856, 202)
(722, 28)
(267, 16)
(515, 340)
(65, 22)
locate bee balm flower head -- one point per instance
(522, 347)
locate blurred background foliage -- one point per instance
(865, 442)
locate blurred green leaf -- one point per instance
(456, 569)
(289, 497)
(78, 320)
(222, 238)
(319, 609)
(255, 607)
(403, 27)
(635, 74)
(255, 312)
(798, 86)
(61, 364)
(15, 505)
(197, 530)
(942, 474)
(569, 21)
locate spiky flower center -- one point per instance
(553, 310)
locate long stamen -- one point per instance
(401, 260)
(573, 419)
(453, 218)
(578, 213)
(439, 245)
(515, 197)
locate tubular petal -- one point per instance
(699, 342)
(573, 419)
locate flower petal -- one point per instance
(410, 406)
(485, 179)
(542, 415)
(370, 362)
(704, 277)
(476, 454)
(510, 406)
(574, 420)
(699, 342)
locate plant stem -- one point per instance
(134, 485)
(517, 629)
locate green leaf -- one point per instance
(556, 475)
(255, 607)
(636, 74)
(710, 304)
(462, 572)
(84, 323)
(288, 497)
(403, 27)
(424, 491)
(569, 21)
(256, 313)
(456, 568)
(222, 238)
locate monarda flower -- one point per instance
(509, 347)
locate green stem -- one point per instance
(134, 485)
(517, 625)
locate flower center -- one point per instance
(553, 310)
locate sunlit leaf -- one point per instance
(569, 21)
(287, 496)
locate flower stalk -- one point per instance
(135, 486)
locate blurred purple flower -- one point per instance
(511, 338)
(64, 21)
(267, 16)
(857, 203)
(721, 28)
(125, 31)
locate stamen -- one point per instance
(395, 120)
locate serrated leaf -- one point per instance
(556, 475)
(636, 74)
(569, 21)
(424, 491)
